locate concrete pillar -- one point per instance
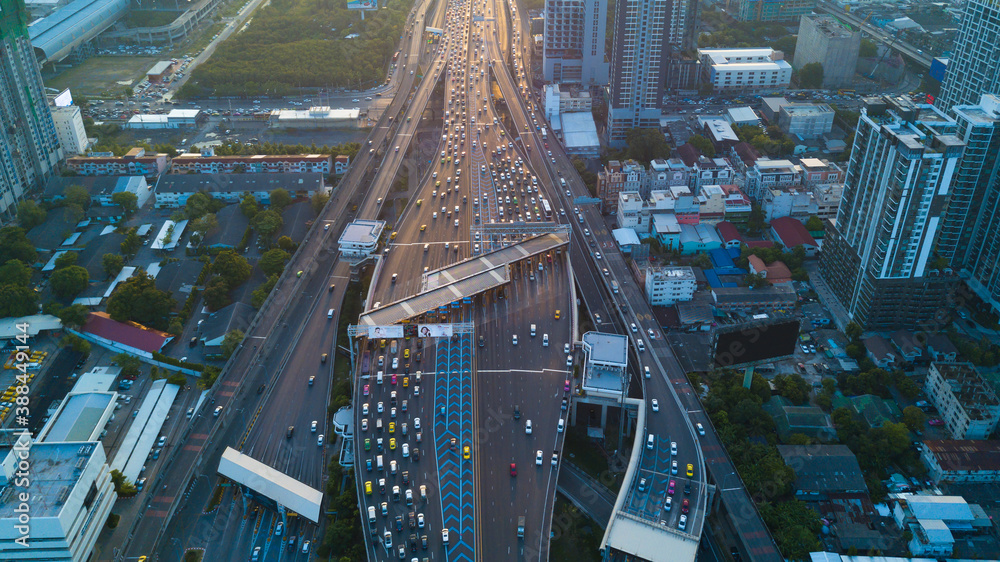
(604, 416)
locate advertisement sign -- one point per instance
(362, 4)
(64, 99)
(434, 331)
(379, 332)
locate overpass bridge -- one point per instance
(882, 36)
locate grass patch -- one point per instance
(99, 76)
(194, 555)
(150, 18)
(574, 535)
(216, 498)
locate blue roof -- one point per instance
(66, 28)
(721, 258)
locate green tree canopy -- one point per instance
(267, 223)
(30, 214)
(811, 75)
(216, 294)
(17, 300)
(318, 201)
(77, 195)
(200, 204)
(273, 261)
(703, 145)
(14, 245)
(67, 259)
(69, 281)
(814, 224)
(112, 264)
(914, 418)
(233, 267)
(131, 244)
(15, 272)
(203, 225)
(231, 342)
(280, 198)
(130, 364)
(137, 299)
(74, 315)
(128, 201)
(646, 144)
(76, 343)
(259, 294)
(249, 206)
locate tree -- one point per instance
(216, 294)
(65, 260)
(868, 49)
(793, 387)
(233, 267)
(74, 214)
(76, 343)
(30, 215)
(15, 272)
(176, 326)
(273, 262)
(137, 299)
(647, 144)
(128, 201)
(249, 207)
(77, 195)
(287, 244)
(131, 244)
(203, 225)
(200, 204)
(318, 201)
(167, 149)
(267, 223)
(14, 245)
(703, 145)
(756, 280)
(259, 294)
(17, 301)
(814, 224)
(177, 378)
(74, 315)
(69, 281)
(811, 75)
(786, 45)
(914, 418)
(112, 264)
(280, 198)
(853, 332)
(229, 344)
(129, 364)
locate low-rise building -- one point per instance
(731, 238)
(791, 233)
(967, 402)
(775, 272)
(745, 69)
(176, 119)
(880, 351)
(816, 171)
(931, 520)
(738, 206)
(173, 190)
(767, 174)
(745, 299)
(667, 286)
(710, 171)
(962, 460)
(793, 202)
(360, 238)
(617, 177)
(340, 164)
(136, 162)
(699, 239)
(208, 163)
(70, 496)
(321, 117)
(720, 132)
(822, 471)
(738, 116)
(807, 120)
(940, 348)
(664, 174)
(910, 348)
(559, 99)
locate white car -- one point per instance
(701, 428)
(569, 360)
(381, 407)
(515, 339)
(416, 421)
(673, 467)
(538, 458)
(634, 328)
(364, 424)
(527, 427)
(561, 426)
(364, 408)
(656, 405)
(673, 448)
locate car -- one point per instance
(633, 327)
(538, 458)
(381, 407)
(569, 362)
(364, 408)
(700, 428)
(367, 390)
(466, 452)
(513, 469)
(671, 487)
(319, 440)
(656, 405)
(687, 488)
(368, 488)
(392, 427)
(673, 468)
(392, 443)
(514, 339)
(685, 506)
(652, 334)
(527, 427)
(555, 459)
(673, 448)
(392, 413)
(935, 421)
(561, 425)
(682, 523)
(444, 536)
(368, 444)
(387, 538)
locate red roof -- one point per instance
(747, 153)
(728, 232)
(130, 334)
(688, 153)
(792, 233)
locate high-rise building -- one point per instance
(70, 129)
(650, 37)
(573, 50)
(969, 233)
(773, 10)
(879, 258)
(824, 40)
(29, 144)
(972, 68)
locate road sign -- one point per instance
(586, 201)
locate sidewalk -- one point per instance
(840, 316)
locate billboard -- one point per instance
(362, 4)
(758, 341)
(64, 99)
(435, 331)
(378, 332)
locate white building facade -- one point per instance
(667, 286)
(69, 127)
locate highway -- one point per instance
(264, 359)
(884, 37)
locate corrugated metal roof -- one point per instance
(73, 24)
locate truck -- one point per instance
(366, 362)
(545, 134)
(520, 527)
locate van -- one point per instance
(371, 515)
(532, 330)
(649, 443)
(640, 345)
(378, 462)
(329, 313)
(562, 182)
(378, 377)
(423, 492)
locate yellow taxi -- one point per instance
(437, 183)
(392, 443)
(557, 315)
(690, 470)
(368, 488)
(423, 227)
(406, 382)
(419, 202)
(382, 344)
(406, 352)
(392, 427)
(392, 236)
(466, 452)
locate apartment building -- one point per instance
(573, 42)
(617, 177)
(967, 402)
(667, 286)
(767, 174)
(207, 163)
(136, 162)
(761, 69)
(972, 66)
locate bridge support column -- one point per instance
(604, 416)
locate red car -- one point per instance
(393, 379)
(936, 421)
(366, 390)
(685, 506)
(513, 469)
(670, 488)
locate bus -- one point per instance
(547, 209)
